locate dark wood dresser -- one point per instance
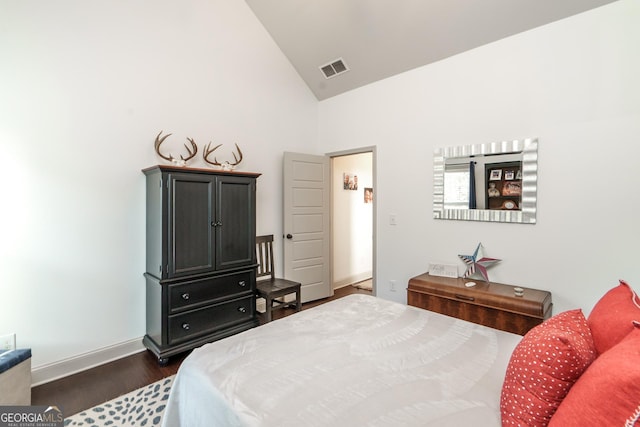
(489, 304)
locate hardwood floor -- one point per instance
(83, 390)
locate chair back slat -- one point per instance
(264, 255)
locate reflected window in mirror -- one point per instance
(456, 186)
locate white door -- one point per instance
(307, 255)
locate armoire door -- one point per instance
(235, 210)
(190, 224)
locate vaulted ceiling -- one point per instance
(377, 39)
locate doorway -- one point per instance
(353, 218)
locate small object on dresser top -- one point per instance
(479, 262)
(443, 270)
(518, 291)
(470, 284)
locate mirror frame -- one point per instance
(527, 213)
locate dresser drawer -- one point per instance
(188, 325)
(198, 293)
(490, 304)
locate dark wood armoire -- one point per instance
(200, 262)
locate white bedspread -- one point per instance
(355, 361)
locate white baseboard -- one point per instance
(56, 370)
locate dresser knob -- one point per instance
(185, 326)
(242, 283)
(242, 309)
(185, 296)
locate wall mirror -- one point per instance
(494, 182)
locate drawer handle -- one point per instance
(242, 309)
(186, 296)
(242, 283)
(186, 326)
(465, 298)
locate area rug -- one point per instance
(141, 407)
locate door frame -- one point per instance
(374, 177)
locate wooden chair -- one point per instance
(273, 289)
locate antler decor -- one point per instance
(227, 166)
(183, 162)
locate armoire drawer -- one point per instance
(198, 293)
(188, 325)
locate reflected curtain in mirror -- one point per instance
(472, 185)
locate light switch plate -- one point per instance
(443, 270)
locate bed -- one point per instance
(364, 361)
(355, 361)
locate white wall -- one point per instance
(574, 84)
(351, 221)
(85, 88)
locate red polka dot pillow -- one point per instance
(543, 367)
(612, 317)
(608, 393)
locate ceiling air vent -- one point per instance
(333, 68)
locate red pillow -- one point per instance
(608, 393)
(543, 367)
(612, 317)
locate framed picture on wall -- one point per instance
(368, 195)
(350, 181)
